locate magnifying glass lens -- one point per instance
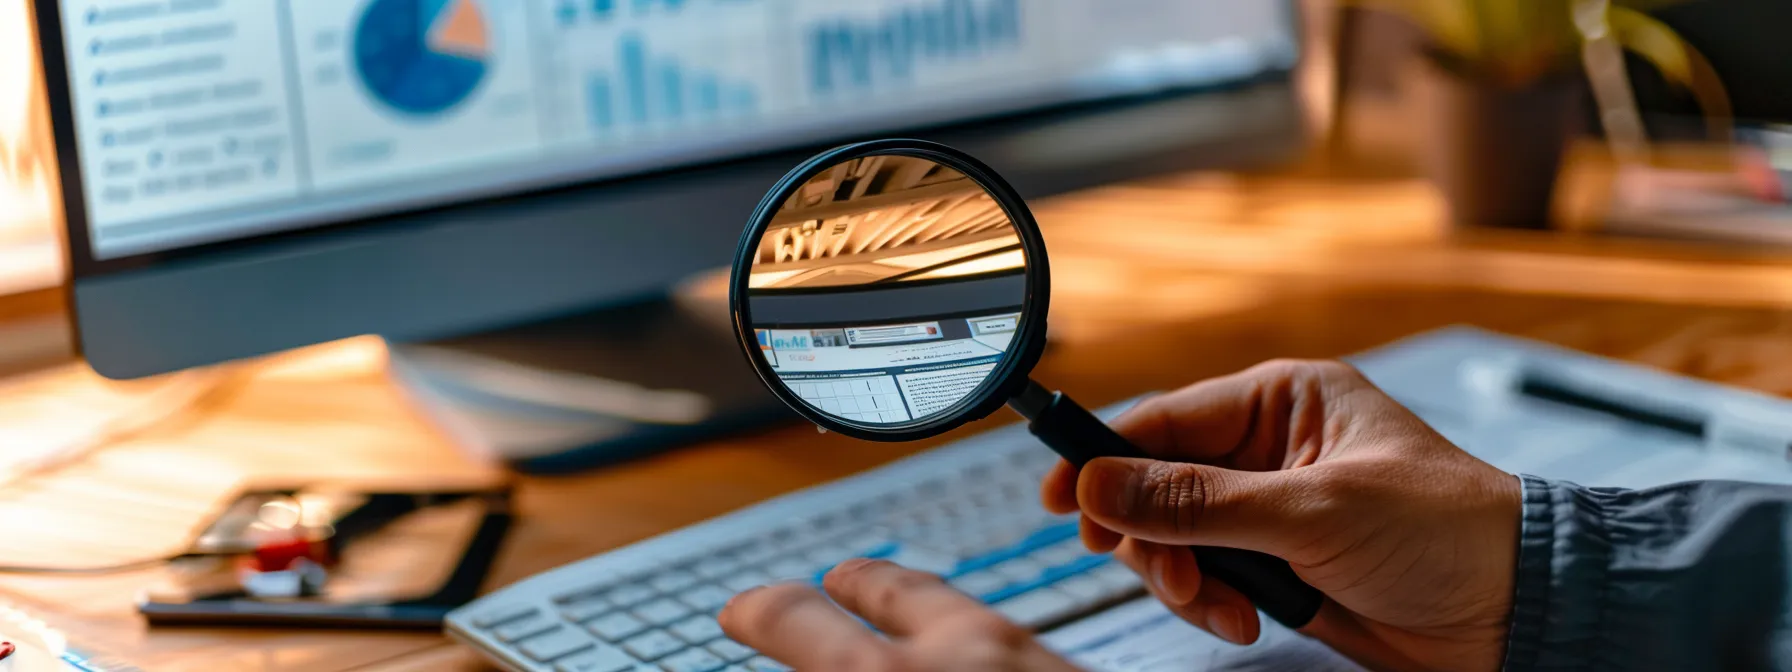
(887, 290)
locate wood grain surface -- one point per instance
(1156, 284)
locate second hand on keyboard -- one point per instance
(981, 529)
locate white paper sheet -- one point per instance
(1143, 636)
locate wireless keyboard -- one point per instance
(968, 511)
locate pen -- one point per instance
(1636, 409)
(1739, 425)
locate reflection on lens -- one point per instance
(887, 289)
(885, 219)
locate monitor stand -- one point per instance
(594, 388)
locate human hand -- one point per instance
(1413, 541)
(930, 625)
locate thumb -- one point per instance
(1196, 505)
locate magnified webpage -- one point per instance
(889, 373)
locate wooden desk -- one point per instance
(1157, 284)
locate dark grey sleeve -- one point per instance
(1692, 576)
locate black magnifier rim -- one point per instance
(1029, 343)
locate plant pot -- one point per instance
(1493, 151)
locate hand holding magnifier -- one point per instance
(894, 290)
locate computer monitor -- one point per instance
(246, 177)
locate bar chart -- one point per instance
(628, 71)
(859, 51)
(648, 88)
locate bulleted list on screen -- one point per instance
(181, 107)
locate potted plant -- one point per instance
(1497, 89)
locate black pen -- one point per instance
(1717, 425)
(1636, 409)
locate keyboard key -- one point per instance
(600, 659)
(630, 595)
(791, 569)
(662, 611)
(923, 560)
(523, 628)
(554, 645)
(580, 612)
(891, 503)
(697, 629)
(653, 645)
(1077, 567)
(754, 552)
(616, 627)
(502, 615)
(860, 512)
(1037, 608)
(730, 650)
(827, 523)
(1117, 578)
(673, 581)
(746, 580)
(933, 488)
(978, 584)
(1019, 570)
(594, 592)
(871, 545)
(1084, 589)
(764, 664)
(693, 660)
(707, 597)
(716, 566)
(789, 537)
(1061, 553)
(828, 555)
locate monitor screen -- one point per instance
(199, 121)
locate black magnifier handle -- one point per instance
(1078, 436)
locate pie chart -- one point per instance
(422, 57)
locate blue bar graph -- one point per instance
(709, 95)
(603, 115)
(671, 92)
(632, 58)
(848, 54)
(648, 89)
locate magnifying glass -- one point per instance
(894, 290)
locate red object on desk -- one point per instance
(280, 555)
(6, 650)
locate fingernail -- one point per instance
(1172, 583)
(739, 596)
(1227, 623)
(1113, 478)
(1160, 577)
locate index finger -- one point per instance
(1239, 421)
(895, 599)
(1245, 420)
(1156, 425)
(797, 626)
